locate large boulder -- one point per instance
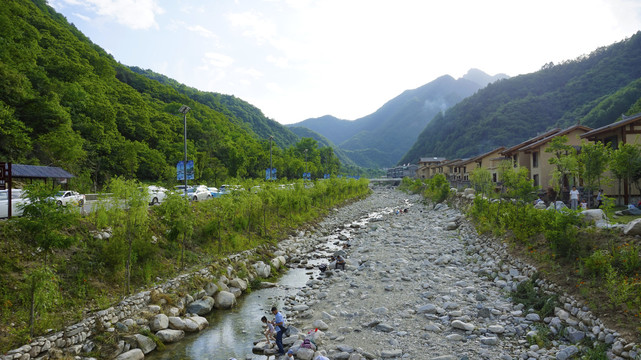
(145, 343)
(211, 289)
(263, 270)
(633, 227)
(238, 283)
(276, 263)
(176, 323)
(159, 322)
(304, 354)
(135, 354)
(224, 300)
(469, 191)
(190, 325)
(200, 321)
(202, 306)
(170, 336)
(593, 215)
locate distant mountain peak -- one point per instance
(482, 78)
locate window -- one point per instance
(536, 179)
(494, 177)
(613, 141)
(535, 159)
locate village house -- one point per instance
(519, 156)
(427, 166)
(490, 161)
(625, 131)
(540, 168)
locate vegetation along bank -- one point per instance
(58, 266)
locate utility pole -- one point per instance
(184, 110)
(271, 167)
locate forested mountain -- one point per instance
(65, 102)
(593, 90)
(381, 138)
(232, 107)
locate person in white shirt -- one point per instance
(574, 198)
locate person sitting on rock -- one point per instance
(340, 262)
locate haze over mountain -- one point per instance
(593, 90)
(381, 138)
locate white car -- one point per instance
(199, 193)
(157, 194)
(63, 198)
(16, 203)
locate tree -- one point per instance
(626, 165)
(565, 161)
(177, 214)
(45, 222)
(128, 216)
(516, 182)
(482, 180)
(594, 157)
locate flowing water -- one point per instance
(232, 333)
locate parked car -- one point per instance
(199, 193)
(157, 194)
(63, 198)
(16, 203)
(214, 192)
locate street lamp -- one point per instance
(184, 110)
(271, 167)
(305, 160)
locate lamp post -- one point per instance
(271, 167)
(184, 110)
(305, 161)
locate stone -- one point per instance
(458, 324)
(202, 306)
(633, 228)
(566, 352)
(224, 300)
(176, 323)
(211, 289)
(238, 283)
(159, 322)
(200, 321)
(320, 324)
(492, 340)
(170, 336)
(497, 329)
(390, 354)
(135, 354)
(145, 343)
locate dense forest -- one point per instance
(593, 90)
(65, 102)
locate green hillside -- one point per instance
(65, 102)
(232, 107)
(593, 90)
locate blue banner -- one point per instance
(180, 168)
(271, 176)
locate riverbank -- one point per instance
(424, 285)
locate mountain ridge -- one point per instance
(384, 136)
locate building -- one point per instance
(625, 131)
(427, 166)
(399, 172)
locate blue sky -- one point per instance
(296, 59)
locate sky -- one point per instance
(299, 59)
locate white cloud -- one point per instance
(250, 72)
(202, 31)
(217, 60)
(254, 25)
(135, 14)
(82, 17)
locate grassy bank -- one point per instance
(55, 261)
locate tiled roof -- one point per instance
(624, 121)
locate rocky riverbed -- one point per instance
(424, 285)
